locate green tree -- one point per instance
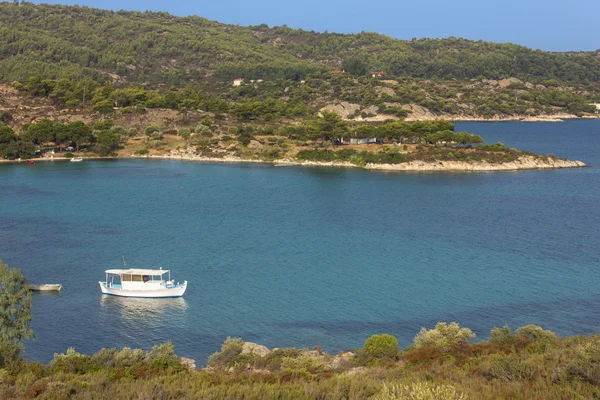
(355, 65)
(106, 142)
(17, 149)
(41, 132)
(15, 313)
(79, 133)
(7, 135)
(381, 346)
(330, 127)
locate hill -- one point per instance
(55, 41)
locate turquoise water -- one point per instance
(294, 256)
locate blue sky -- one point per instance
(545, 24)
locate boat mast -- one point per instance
(124, 263)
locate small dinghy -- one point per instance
(48, 287)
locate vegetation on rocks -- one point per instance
(531, 363)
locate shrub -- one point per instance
(419, 391)
(381, 346)
(536, 333)
(184, 133)
(6, 117)
(104, 107)
(510, 367)
(502, 336)
(308, 363)
(113, 358)
(163, 356)
(152, 129)
(72, 362)
(444, 337)
(230, 350)
(203, 130)
(69, 155)
(584, 362)
(142, 152)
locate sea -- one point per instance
(302, 256)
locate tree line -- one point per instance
(103, 137)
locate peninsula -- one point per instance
(131, 84)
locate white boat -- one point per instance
(48, 287)
(76, 159)
(141, 283)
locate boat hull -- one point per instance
(175, 291)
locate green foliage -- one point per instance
(330, 127)
(106, 142)
(419, 391)
(230, 350)
(184, 133)
(511, 367)
(355, 65)
(133, 61)
(381, 346)
(163, 357)
(535, 333)
(139, 47)
(540, 338)
(502, 336)
(15, 303)
(104, 107)
(444, 337)
(485, 371)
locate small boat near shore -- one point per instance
(76, 159)
(29, 162)
(148, 283)
(48, 287)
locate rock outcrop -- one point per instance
(253, 348)
(521, 164)
(188, 363)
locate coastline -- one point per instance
(523, 163)
(516, 118)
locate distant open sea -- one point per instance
(297, 256)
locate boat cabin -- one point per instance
(138, 279)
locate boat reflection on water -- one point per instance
(144, 311)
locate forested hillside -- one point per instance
(54, 41)
(105, 61)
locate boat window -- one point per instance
(136, 278)
(145, 278)
(156, 278)
(126, 278)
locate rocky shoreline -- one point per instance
(523, 163)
